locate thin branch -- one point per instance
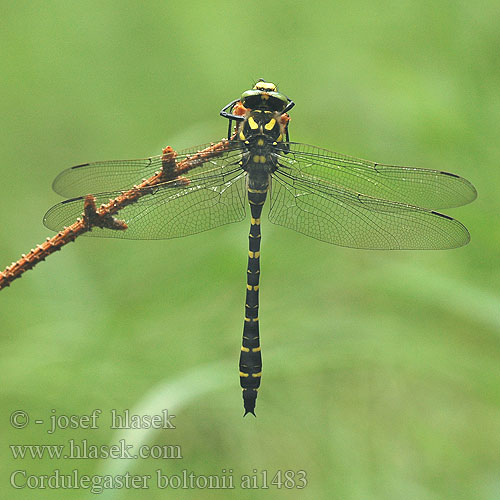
(104, 215)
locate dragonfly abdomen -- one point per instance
(250, 357)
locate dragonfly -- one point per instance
(328, 196)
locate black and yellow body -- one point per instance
(331, 197)
(261, 130)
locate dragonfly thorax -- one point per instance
(261, 133)
(261, 125)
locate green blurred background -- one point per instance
(381, 369)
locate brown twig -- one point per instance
(103, 216)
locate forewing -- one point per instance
(113, 175)
(348, 219)
(409, 185)
(170, 210)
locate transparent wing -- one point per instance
(170, 210)
(414, 186)
(112, 175)
(345, 218)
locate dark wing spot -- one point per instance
(442, 215)
(449, 173)
(72, 199)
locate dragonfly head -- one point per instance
(264, 95)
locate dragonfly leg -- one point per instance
(289, 106)
(230, 116)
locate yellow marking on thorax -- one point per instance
(256, 349)
(259, 159)
(257, 375)
(252, 123)
(253, 287)
(243, 374)
(254, 222)
(245, 349)
(270, 124)
(260, 142)
(242, 136)
(254, 255)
